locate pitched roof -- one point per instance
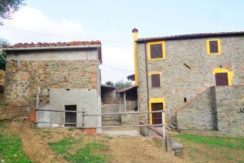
(192, 36)
(53, 45)
(127, 88)
(44, 46)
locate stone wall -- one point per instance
(217, 108)
(64, 77)
(109, 96)
(129, 119)
(179, 82)
(2, 78)
(200, 113)
(24, 75)
(229, 101)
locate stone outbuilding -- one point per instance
(60, 80)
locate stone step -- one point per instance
(110, 105)
(110, 110)
(111, 123)
(116, 118)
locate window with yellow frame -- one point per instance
(214, 46)
(229, 73)
(156, 104)
(156, 50)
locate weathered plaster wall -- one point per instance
(85, 99)
(178, 81)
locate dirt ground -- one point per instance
(140, 150)
(33, 144)
(123, 149)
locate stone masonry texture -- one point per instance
(178, 81)
(199, 114)
(24, 76)
(217, 108)
(229, 101)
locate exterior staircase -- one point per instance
(111, 120)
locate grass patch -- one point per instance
(77, 152)
(11, 149)
(62, 146)
(214, 141)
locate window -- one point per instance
(157, 117)
(155, 78)
(70, 115)
(214, 46)
(223, 76)
(221, 79)
(156, 104)
(156, 50)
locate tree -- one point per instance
(9, 6)
(3, 44)
(121, 84)
(109, 83)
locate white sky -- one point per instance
(112, 21)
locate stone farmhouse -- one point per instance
(56, 76)
(197, 79)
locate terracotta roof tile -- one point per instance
(54, 44)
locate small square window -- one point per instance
(155, 80)
(156, 50)
(221, 79)
(213, 46)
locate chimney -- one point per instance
(135, 37)
(135, 33)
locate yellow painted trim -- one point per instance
(154, 72)
(219, 46)
(149, 50)
(155, 100)
(230, 74)
(135, 36)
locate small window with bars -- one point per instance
(155, 78)
(156, 50)
(213, 46)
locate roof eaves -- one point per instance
(192, 36)
(51, 48)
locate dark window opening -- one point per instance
(157, 117)
(70, 116)
(221, 79)
(185, 99)
(156, 51)
(155, 80)
(213, 46)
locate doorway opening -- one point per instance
(70, 115)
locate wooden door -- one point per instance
(221, 79)
(157, 117)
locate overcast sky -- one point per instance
(111, 22)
